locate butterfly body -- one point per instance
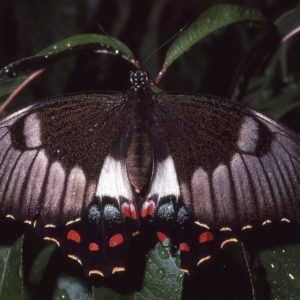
(90, 171)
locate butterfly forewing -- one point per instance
(64, 141)
(235, 166)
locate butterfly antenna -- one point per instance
(165, 43)
(102, 29)
(249, 272)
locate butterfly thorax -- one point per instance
(139, 151)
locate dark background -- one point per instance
(27, 27)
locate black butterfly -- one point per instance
(90, 171)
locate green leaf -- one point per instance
(69, 288)
(279, 105)
(23, 71)
(260, 52)
(288, 24)
(213, 19)
(283, 273)
(162, 278)
(11, 271)
(40, 264)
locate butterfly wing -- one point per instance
(51, 158)
(236, 168)
(62, 168)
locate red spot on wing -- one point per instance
(148, 208)
(116, 240)
(184, 247)
(93, 247)
(205, 237)
(128, 210)
(161, 236)
(74, 236)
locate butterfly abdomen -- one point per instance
(139, 154)
(139, 160)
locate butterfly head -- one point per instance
(139, 80)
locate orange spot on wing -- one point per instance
(117, 269)
(93, 247)
(96, 272)
(201, 260)
(161, 236)
(184, 247)
(205, 237)
(74, 236)
(128, 210)
(148, 208)
(116, 240)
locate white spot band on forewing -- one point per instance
(200, 185)
(263, 196)
(223, 195)
(245, 204)
(248, 135)
(35, 183)
(113, 180)
(74, 198)
(6, 168)
(54, 189)
(14, 191)
(32, 131)
(165, 181)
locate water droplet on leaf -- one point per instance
(160, 273)
(162, 252)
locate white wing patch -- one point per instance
(36, 181)
(223, 193)
(55, 186)
(32, 131)
(201, 192)
(113, 180)
(248, 135)
(165, 181)
(75, 191)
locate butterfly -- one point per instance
(90, 171)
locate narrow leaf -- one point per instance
(24, 70)
(11, 271)
(213, 19)
(288, 24)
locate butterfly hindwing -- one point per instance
(99, 240)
